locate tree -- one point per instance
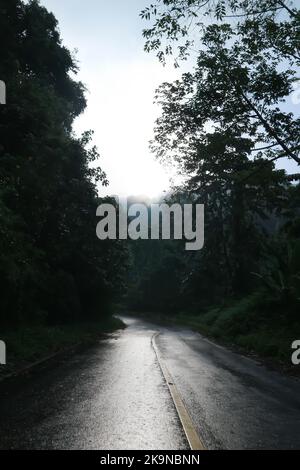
(225, 125)
(182, 22)
(52, 266)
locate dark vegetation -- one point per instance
(36, 344)
(53, 269)
(225, 125)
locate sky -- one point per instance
(121, 80)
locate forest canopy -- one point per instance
(52, 267)
(226, 124)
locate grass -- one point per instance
(248, 325)
(251, 324)
(30, 344)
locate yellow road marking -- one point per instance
(186, 421)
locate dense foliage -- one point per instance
(225, 125)
(52, 266)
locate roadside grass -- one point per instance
(252, 324)
(243, 326)
(30, 344)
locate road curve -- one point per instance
(114, 396)
(234, 402)
(110, 397)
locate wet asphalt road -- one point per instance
(235, 402)
(114, 396)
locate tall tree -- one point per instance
(226, 124)
(51, 265)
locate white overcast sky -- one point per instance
(121, 79)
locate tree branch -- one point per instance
(264, 148)
(291, 12)
(269, 129)
(281, 155)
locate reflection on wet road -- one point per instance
(235, 402)
(114, 396)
